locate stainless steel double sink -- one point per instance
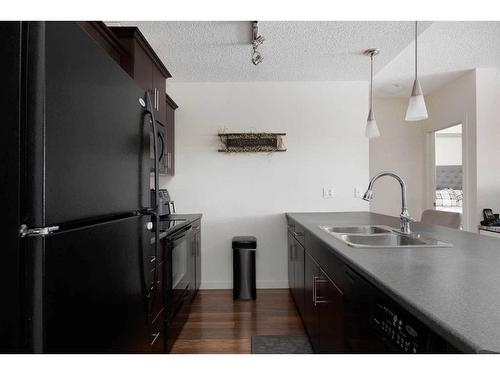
(380, 236)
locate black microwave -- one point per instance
(162, 144)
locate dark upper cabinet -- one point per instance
(105, 38)
(171, 106)
(144, 66)
(159, 84)
(128, 47)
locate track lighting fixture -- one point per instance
(257, 40)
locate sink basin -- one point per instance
(362, 229)
(380, 236)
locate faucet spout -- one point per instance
(405, 215)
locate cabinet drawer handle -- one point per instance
(155, 336)
(318, 299)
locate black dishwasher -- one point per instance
(376, 324)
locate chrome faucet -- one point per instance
(405, 215)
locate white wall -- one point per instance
(472, 100)
(488, 139)
(399, 149)
(453, 104)
(248, 194)
(448, 149)
(403, 147)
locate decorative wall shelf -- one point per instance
(252, 142)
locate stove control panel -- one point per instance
(403, 332)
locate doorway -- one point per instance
(447, 170)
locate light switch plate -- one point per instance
(328, 192)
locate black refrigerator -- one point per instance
(74, 146)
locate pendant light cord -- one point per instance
(416, 34)
(371, 81)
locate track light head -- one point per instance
(256, 57)
(257, 40)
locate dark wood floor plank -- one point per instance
(217, 324)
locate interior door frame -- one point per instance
(430, 145)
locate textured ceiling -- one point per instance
(445, 51)
(293, 51)
(325, 51)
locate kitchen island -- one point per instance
(453, 293)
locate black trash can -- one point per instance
(244, 284)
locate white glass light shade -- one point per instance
(416, 110)
(371, 130)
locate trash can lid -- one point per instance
(244, 242)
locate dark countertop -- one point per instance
(489, 229)
(454, 290)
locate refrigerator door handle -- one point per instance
(24, 231)
(149, 111)
(154, 211)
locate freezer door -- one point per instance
(95, 287)
(90, 138)
(10, 257)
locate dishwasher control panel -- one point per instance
(403, 332)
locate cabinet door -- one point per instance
(330, 302)
(198, 258)
(311, 309)
(143, 70)
(291, 264)
(106, 39)
(159, 83)
(298, 271)
(192, 264)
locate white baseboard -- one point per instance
(261, 284)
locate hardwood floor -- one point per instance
(217, 324)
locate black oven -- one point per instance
(176, 269)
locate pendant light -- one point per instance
(416, 104)
(371, 130)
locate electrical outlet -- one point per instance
(328, 192)
(358, 192)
